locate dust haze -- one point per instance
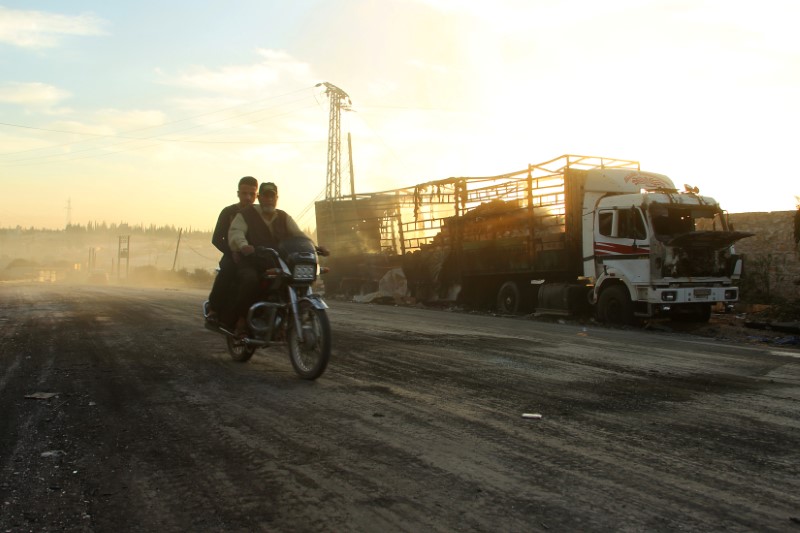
(135, 255)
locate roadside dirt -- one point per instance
(752, 329)
(777, 327)
(121, 413)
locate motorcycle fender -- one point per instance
(316, 301)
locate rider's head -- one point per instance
(268, 196)
(247, 191)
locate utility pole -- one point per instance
(123, 252)
(339, 100)
(177, 247)
(350, 159)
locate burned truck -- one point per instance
(571, 235)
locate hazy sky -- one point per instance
(150, 111)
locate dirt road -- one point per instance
(416, 426)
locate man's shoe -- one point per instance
(240, 331)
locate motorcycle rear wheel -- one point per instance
(240, 352)
(310, 357)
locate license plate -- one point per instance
(702, 293)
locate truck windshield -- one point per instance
(671, 221)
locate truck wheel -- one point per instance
(508, 298)
(615, 306)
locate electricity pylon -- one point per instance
(339, 100)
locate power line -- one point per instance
(43, 159)
(415, 108)
(157, 126)
(133, 139)
(319, 196)
(124, 136)
(46, 129)
(198, 253)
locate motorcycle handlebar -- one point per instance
(321, 250)
(266, 250)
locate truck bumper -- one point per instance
(680, 295)
(663, 300)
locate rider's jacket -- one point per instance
(259, 233)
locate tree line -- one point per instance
(102, 228)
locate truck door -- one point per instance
(621, 241)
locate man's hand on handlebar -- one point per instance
(324, 252)
(247, 249)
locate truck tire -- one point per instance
(615, 306)
(508, 298)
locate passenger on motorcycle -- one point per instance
(224, 283)
(257, 225)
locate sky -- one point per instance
(149, 112)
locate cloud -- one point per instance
(277, 68)
(275, 93)
(122, 123)
(32, 94)
(37, 29)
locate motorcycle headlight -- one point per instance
(304, 272)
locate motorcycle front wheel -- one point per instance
(310, 356)
(240, 352)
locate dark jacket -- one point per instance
(220, 237)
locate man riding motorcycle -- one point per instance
(257, 225)
(224, 283)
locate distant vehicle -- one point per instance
(572, 234)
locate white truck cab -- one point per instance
(649, 249)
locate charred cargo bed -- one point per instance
(462, 237)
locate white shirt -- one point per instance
(238, 229)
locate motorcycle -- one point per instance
(287, 310)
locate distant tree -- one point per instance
(22, 263)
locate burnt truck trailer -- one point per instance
(569, 235)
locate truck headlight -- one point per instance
(731, 294)
(669, 296)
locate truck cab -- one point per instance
(656, 251)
